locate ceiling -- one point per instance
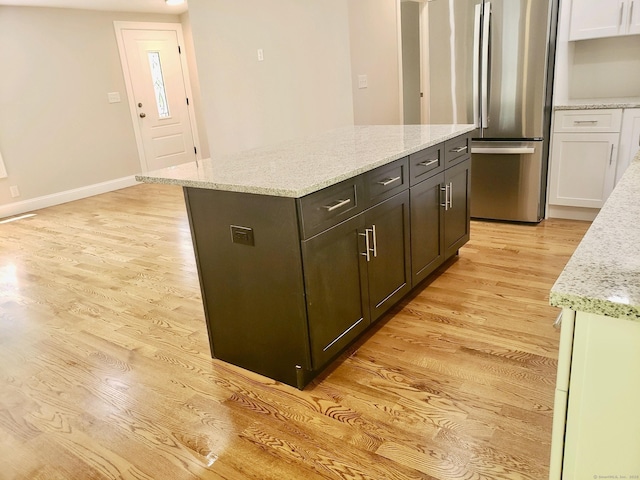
(150, 6)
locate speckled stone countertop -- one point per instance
(603, 275)
(599, 103)
(300, 167)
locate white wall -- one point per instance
(57, 130)
(373, 36)
(303, 86)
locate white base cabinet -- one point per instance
(583, 155)
(629, 137)
(601, 435)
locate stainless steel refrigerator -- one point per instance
(491, 64)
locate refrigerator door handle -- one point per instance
(504, 150)
(476, 64)
(484, 105)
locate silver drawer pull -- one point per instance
(389, 181)
(582, 122)
(459, 149)
(341, 203)
(428, 163)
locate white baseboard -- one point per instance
(37, 203)
(572, 213)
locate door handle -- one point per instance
(367, 245)
(611, 155)
(459, 149)
(142, 115)
(375, 240)
(450, 194)
(445, 189)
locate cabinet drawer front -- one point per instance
(329, 206)
(426, 163)
(457, 150)
(384, 182)
(608, 120)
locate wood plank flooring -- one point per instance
(105, 370)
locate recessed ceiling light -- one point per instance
(174, 2)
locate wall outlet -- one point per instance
(14, 191)
(113, 97)
(260, 55)
(363, 81)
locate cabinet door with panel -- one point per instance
(457, 211)
(388, 262)
(427, 227)
(335, 276)
(583, 168)
(602, 18)
(629, 138)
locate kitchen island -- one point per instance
(596, 429)
(300, 247)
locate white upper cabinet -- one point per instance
(604, 18)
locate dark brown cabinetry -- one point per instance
(288, 283)
(440, 202)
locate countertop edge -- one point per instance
(172, 175)
(594, 305)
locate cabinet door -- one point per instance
(629, 138)
(583, 169)
(603, 426)
(427, 227)
(633, 25)
(335, 275)
(388, 265)
(596, 18)
(457, 213)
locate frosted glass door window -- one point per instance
(158, 85)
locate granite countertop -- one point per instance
(603, 275)
(300, 167)
(598, 103)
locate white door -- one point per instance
(159, 94)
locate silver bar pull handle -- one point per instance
(367, 245)
(450, 194)
(389, 181)
(558, 321)
(445, 189)
(375, 241)
(459, 149)
(428, 163)
(611, 155)
(582, 122)
(341, 203)
(631, 13)
(621, 13)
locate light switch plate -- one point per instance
(113, 97)
(363, 81)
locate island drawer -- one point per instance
(456, 150)
(385, 181)
(426, 163)
(597, 120)
(328, 207)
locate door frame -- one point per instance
(424, 57)
(176, 27)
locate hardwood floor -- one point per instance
(105, 370)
